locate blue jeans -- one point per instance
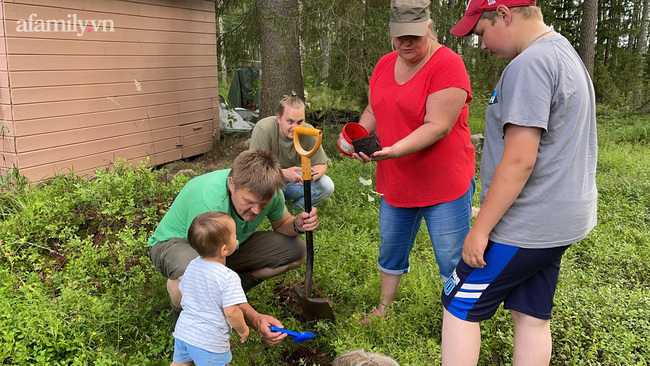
(447, 222)
(320, 190)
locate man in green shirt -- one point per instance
(275, 134)
(249, 192)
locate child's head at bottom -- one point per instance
(359, 357)
(213, 235)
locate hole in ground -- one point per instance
(305, 355)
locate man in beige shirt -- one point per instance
(275, 134)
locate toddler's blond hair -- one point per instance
(359, 357)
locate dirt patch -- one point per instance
(304, 355)
(224, 152)
(220, 157)
(284, 296)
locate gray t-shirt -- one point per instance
(546, 86)
(267, 136)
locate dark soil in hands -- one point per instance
(367, 145)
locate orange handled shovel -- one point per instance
(312, 308)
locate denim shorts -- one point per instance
(185, 352)
(447, 222)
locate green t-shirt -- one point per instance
(267, 136)
(209, 192)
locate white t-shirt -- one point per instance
(207, 288)
(548, 87)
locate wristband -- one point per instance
(295, 228)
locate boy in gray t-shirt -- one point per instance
(538, 191)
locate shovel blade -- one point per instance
(303, 336)
(315, 308)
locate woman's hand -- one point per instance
(361, 157)
(383, 154)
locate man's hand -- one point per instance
(307, 222)
(293, 174)
(474, 248)
(262, 326)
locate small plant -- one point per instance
(367, 183)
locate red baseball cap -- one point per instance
(475, 8)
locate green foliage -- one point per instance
(76, 284)
(77, 288)
(11, 184)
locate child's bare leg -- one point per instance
(532, 340)
(461, 341)
(389, 286)
(174, 363)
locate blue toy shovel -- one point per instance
(297, 337)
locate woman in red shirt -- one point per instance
(418, 107)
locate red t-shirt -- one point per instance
(441, 172)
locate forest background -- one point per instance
(314, 44)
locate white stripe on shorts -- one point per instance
(468, 295)
(471, 286)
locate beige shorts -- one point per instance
(263, 249)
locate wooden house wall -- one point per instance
(75, 103)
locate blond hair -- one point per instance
(526, 12)
(434, 33)
(292, 101)
(259, 171)
(359, 357)
(209, 232)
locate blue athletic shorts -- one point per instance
(524, 280)
(185, 352)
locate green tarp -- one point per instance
(242, 86)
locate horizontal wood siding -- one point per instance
(80, 99)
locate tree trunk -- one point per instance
(588, 34)
(632, 32)
(325, 43)
(642, 42)
(280, 47)
(222, 54)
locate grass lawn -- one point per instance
(77, 288)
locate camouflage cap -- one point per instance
(409, 17)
